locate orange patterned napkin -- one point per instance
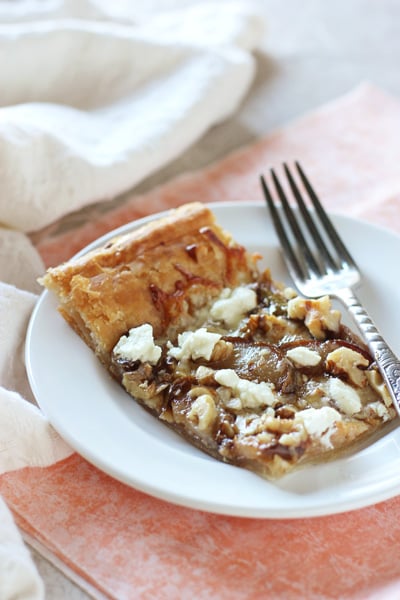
(123, 544)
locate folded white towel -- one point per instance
(26, 436)
(91, 107)
(93, 98)
(19, 579)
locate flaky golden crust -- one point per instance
(163, 274)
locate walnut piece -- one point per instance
(318, 315)
(348, 362)
(203, 412)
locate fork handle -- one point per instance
(388, 363)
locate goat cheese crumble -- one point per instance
(138, 345)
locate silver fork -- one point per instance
(320, 264)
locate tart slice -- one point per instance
(242, 367)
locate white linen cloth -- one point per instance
(91, 102)
(91, 107)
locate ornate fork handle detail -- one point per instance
(388, 363)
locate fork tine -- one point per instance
(341, 249)
(293, 264)
(298, 234)
(321, 246)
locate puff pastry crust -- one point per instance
(163, 273)
(246, 370)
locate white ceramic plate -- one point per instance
(102, 423)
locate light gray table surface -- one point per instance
(313, 52)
